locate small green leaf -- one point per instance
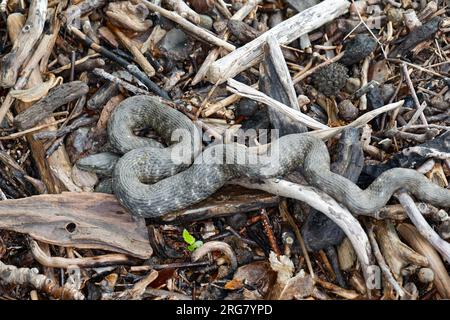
(191, 247)
(188, 238)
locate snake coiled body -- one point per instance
(150, 184)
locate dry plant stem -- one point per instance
(416, 115)
(150, 292)
(223, 9)
(359, 122)
(64, 263)
(396, 254)
(382, 263)
(23, 46)
(442, 246)
(269, 232)
(139, 287)
(180, 7)
(328, 206)
(210, 109)
(43, 65)
(6, 105)
(285, 213)
(397, 212)
(364, 80)
(248, 92)
(31, 130)
(344, 293)
(131, 46)
(419, 243)
(415, 66)
(214, 53)
(323, 131)
(128, 86)
(285, 32)
(188, 26)
(370, 30)
(211, 246)
(77, 62)
(11, 275)
(413, 92)
(309, 72)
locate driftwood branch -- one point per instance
(382, 263)
(229, 200)
(184, 10)
(24, 44)
(65, 263)
(56, 98)
(82, 220)
(413, 237)
(188, 26)
(328, 206)
(248, 92)
(285, 32)
(12, 275)
(214, 53)
(55, 171)
(442, 246)
(323, 132)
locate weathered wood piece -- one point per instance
(285, 32)
(129, 16)
(55, 171)
(81, 220)
(416, 36)
(23, 46)
(81, 8)
(87, 65)
(184, 10)
(413, 237)
(276, 82)
(242, 31)
(133, 48)
(301, 5)
(248, 7)
(61, 95)
(198, 32)
(251, 93)
(228, 200)
(442, 246)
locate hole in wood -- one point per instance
(71, 227)
(26, 28)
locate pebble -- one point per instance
(175, 45)
(395, 15)
(425, 275)
(206, 21)
(246, 108)
(387, 91)
(352, 85)
(347, 111)
(358, 49)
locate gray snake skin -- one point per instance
(150, 184)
